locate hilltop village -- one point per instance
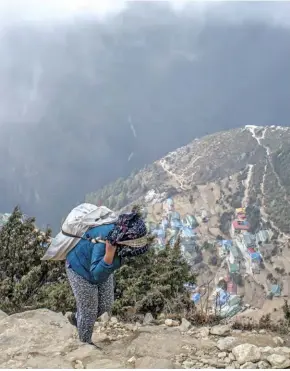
(240, 256)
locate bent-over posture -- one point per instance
(90, 268)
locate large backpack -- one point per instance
(77, 223)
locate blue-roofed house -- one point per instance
(249, 240)
(235, 255)
(227, 244)
(190, 221)
(276, 290)
(224, 247)
(264, 236)
(255, 256)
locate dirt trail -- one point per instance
(247, 182)
(259, 139)
(36, 338)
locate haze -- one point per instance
(88, 93)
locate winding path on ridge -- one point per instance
(252, 129)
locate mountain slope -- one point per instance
(256, 157)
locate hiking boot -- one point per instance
(72, 319)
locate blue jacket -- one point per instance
(86, 258)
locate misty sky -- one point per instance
(33, 10)
(12, 11)
(75, 76)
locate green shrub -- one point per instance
(154, 282)
(26, 282)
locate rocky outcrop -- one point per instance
(41, 337)
(220, 330)
(246, 353)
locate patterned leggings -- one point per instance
(92, 301)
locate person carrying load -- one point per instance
(93, 242)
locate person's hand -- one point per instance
(110, 253)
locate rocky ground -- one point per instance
(44, 339)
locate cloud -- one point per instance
(36, 10)
(14, 11)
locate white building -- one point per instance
(264, 236)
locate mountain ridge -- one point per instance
(196, 191)
(254, 152)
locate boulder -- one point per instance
(132, 361)
(278, 361)
(220, 330)
(188, 364)
(226, 343)
(148, 319)
(282, 350)
(114, 320)
(203, 332)
(171, 323)
(262, 365)
(105, 317)
(232, 357)
(268, 351)
(78, 365)
(185, 325)
(246, 353)
(230, 367)
(278, 341)
(227, 360)
(249, 365)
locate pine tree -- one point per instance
(25, 280)
(154, 283)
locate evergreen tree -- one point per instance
(25, 281)
(154, 283)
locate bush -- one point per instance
(225, 221)
(253, 217)
(265, 322)
(280, 270)
(206, 246)
(286, 310)
(270, 277)
(238, 279)
(222, 284)
(26, 282)
(154, 282)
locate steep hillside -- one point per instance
(247, 165)
(194, 192)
